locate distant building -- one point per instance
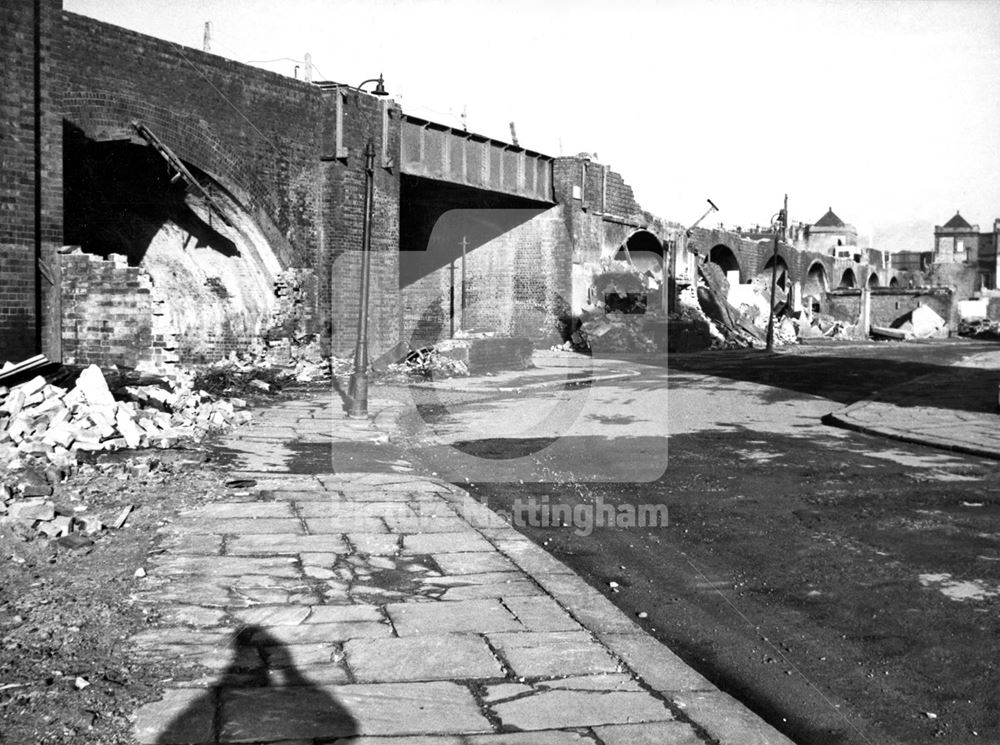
(958, 242)
(962, 257)
(830, 235)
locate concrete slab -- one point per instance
(430, 657)
(728, 721)
(284, 543)
(540, 613)
(559, 709)
(434, 543)
(469, 616)
(652, 733)
(182, 717)
(532, 655)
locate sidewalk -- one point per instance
(953, 409)
(322, 605)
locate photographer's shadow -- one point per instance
(256, 701)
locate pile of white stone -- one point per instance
(52, 423)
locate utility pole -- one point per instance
(451, 300)
(207, 43)
(779, 230)
(461, 322)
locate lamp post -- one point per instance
(779, 229)
(359, 378)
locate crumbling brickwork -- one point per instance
(111, 315)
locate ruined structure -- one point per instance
(162, 203)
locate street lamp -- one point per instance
(359, 378)
(779, 228)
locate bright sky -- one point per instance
(888, 111)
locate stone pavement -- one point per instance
(955, 409)
(373, 605)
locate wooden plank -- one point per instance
(32, 363)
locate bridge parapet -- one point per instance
(437, 151)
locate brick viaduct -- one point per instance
(273, 249)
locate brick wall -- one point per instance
(30, 179)
(343, 203)
(517, 284)
(111, 314)
(270, 142)
(890, 305)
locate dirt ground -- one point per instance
(66, 615)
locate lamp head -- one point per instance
(380, 87)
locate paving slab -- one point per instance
(284, 543)
(184, 716)
(430, 657)
(555, 709)
(537, 654)
(468, 616)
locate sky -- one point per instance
(887, 111)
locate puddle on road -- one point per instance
(960, 590)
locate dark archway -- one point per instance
(873, 280)
(894, 282)
(782, 277)
(723, 256)
(816, 282)
(645, 251)
(847, 279)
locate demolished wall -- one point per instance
(889, 305)
(111, 314)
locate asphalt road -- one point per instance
(844, 587)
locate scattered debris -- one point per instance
(47, 430)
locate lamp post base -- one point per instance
(359, 397)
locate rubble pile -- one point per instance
(616, 318)
(426, 363)
(920, 323)
(266, 368)
(739, 314)
(979, 328)
(44, 428)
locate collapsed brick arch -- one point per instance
(211, 264)
(645, 251)
(103, 116)
(726, 259)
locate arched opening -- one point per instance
(815, 286)
(894, 282)
(726, 260)
(210, 268)
(644, 251)
(782, 278)
(873, 280)
(847, 279)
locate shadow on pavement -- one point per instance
(260, 696)
(846, 379)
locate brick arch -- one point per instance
(849, 279)
(726, 259)
(645, 250)
(817, 279)
(107, 115)
(784, 273)
(873, 280)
